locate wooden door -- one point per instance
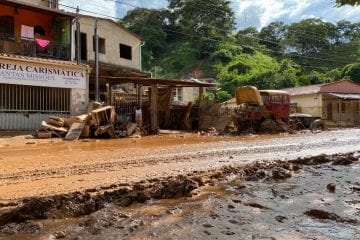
(329, 111)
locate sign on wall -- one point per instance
(35, 74)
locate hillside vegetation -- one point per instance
(198, 39)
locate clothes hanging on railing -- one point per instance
(42, 43)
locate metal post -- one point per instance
(96, 61)
(140, 57)
(78, 48)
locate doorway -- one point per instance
(329, 111)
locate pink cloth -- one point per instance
(42, 42)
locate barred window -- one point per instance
(34, 99)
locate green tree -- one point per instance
(213, 19)
(340, 3)
(310, 36)
(247, 69)
(248, 37)
(148, 24)
(204, 24)
(352, 71)
(272, 36)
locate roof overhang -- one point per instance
(159, 81)
(37, 8)
(346, 96)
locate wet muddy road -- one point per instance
(309, 198)
(212, 187)
(48, 167)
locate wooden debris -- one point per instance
(52, 127)
(56, 121)
(75, 131)
(109, 129)
(103, 116)
(43, 134)
(130, 128)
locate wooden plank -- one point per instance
(154, 109)
(75, 131)
(49, 126)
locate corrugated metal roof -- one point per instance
(345, 96)
(160, 81)
(41, 60)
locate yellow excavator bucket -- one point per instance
(249, 95)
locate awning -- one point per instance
(346, 96)
(159, 81)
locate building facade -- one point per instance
(119, 51)
(337, 102)
(37, 76)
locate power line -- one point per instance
(207, 38)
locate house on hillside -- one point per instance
(337, 102)
(37, 76)
(119, 52)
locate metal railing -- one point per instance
(27, 47)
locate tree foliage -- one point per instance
(347, 2)
(191, 36)
(352, 71)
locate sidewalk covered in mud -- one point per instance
(154, 96)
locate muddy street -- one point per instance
(47, 167)
(279, 186)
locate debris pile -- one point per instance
(100, 121)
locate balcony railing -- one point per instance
(27, 47)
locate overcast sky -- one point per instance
(256, 13)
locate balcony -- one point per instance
(27, 47)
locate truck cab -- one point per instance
(277, 103)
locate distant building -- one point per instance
(337, 102)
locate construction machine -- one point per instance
(268, 110)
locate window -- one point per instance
(177, 94)
(125, 51)
(6, 26)
(38, 30)
(101, 45)
(276, 99)
(343, 107)
(265, 98)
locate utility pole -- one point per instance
(78, 48)
(96, 61)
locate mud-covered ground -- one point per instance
(308, 198)
(220, 187)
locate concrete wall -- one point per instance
(190, 94)
(348, 112)
(22, 121)
(310, 104)
(113, 35)
(79, 101)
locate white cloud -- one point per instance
(257, 13)
(260, 13)
(101, 8)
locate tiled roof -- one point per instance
(41, 60)
(341, 86)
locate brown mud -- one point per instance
(243, 194)
(219, 187)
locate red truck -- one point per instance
(268, 110)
